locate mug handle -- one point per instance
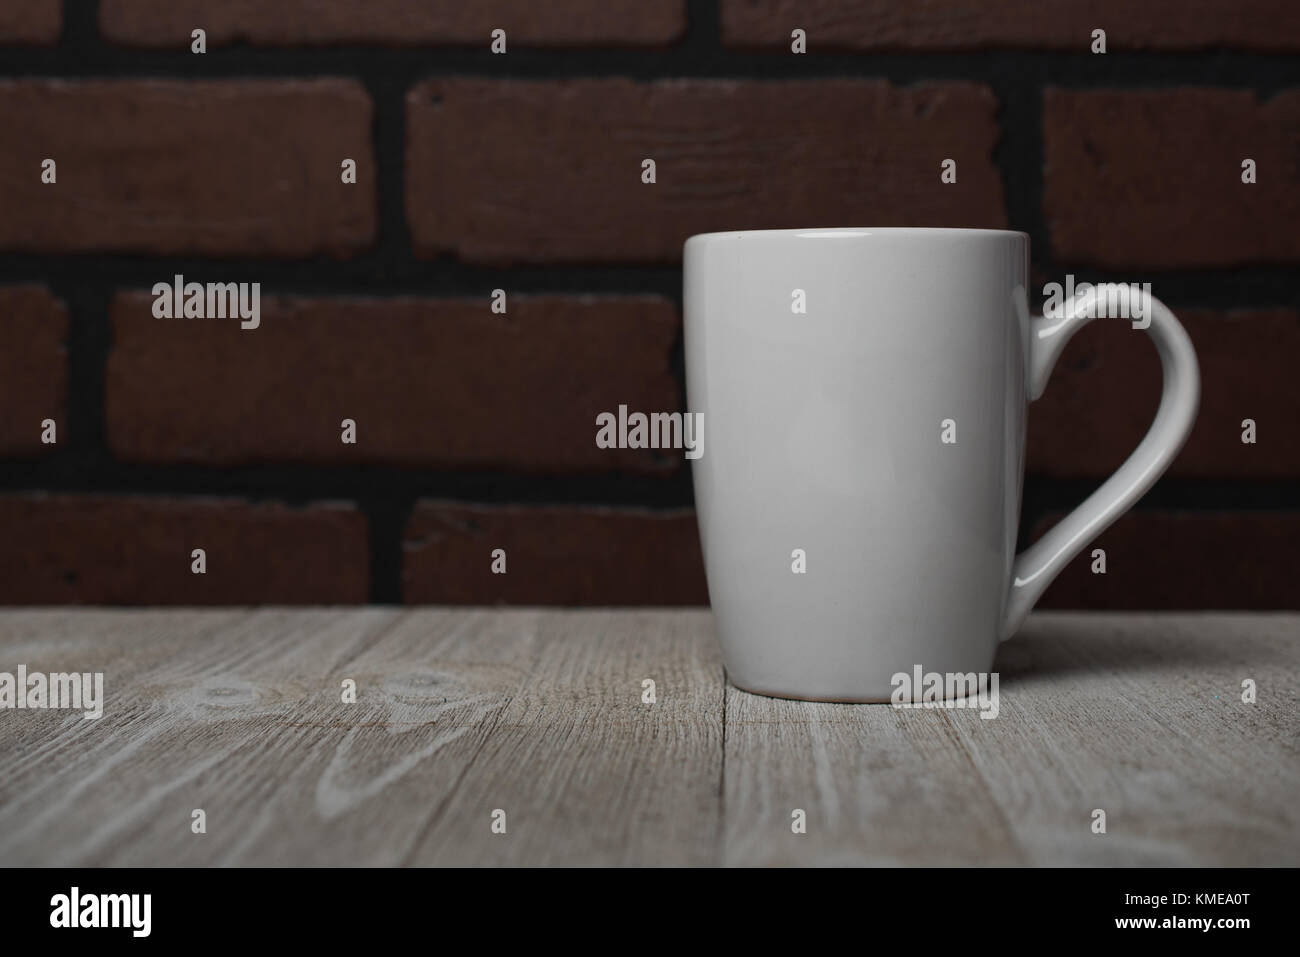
(1035, 568)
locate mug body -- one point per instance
(858, 494)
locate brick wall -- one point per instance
(477, 171)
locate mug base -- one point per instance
(794, 696)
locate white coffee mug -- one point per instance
(865, 393)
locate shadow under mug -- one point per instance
(866, 392)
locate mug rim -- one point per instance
(853, 232)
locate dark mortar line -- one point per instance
(67, 472)
(79, 279)
(1266, 73)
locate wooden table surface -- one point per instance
(539, 713)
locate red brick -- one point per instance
(1013, 24)
(157, 23)
(553, 169)
(236, 167)
(33, 369)
(31, 21)
(1153, 178)
(430, 382)
(555, 555)
(1105, 389)
(1185, 560)
(113, 550)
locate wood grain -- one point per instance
(540, 714)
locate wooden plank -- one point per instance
(207, 709)
(240, 714)
(588, 773)
(878, 786)
(1141, 715)
(1096, 711)
(540, 713)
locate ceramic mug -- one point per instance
(865, 392)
